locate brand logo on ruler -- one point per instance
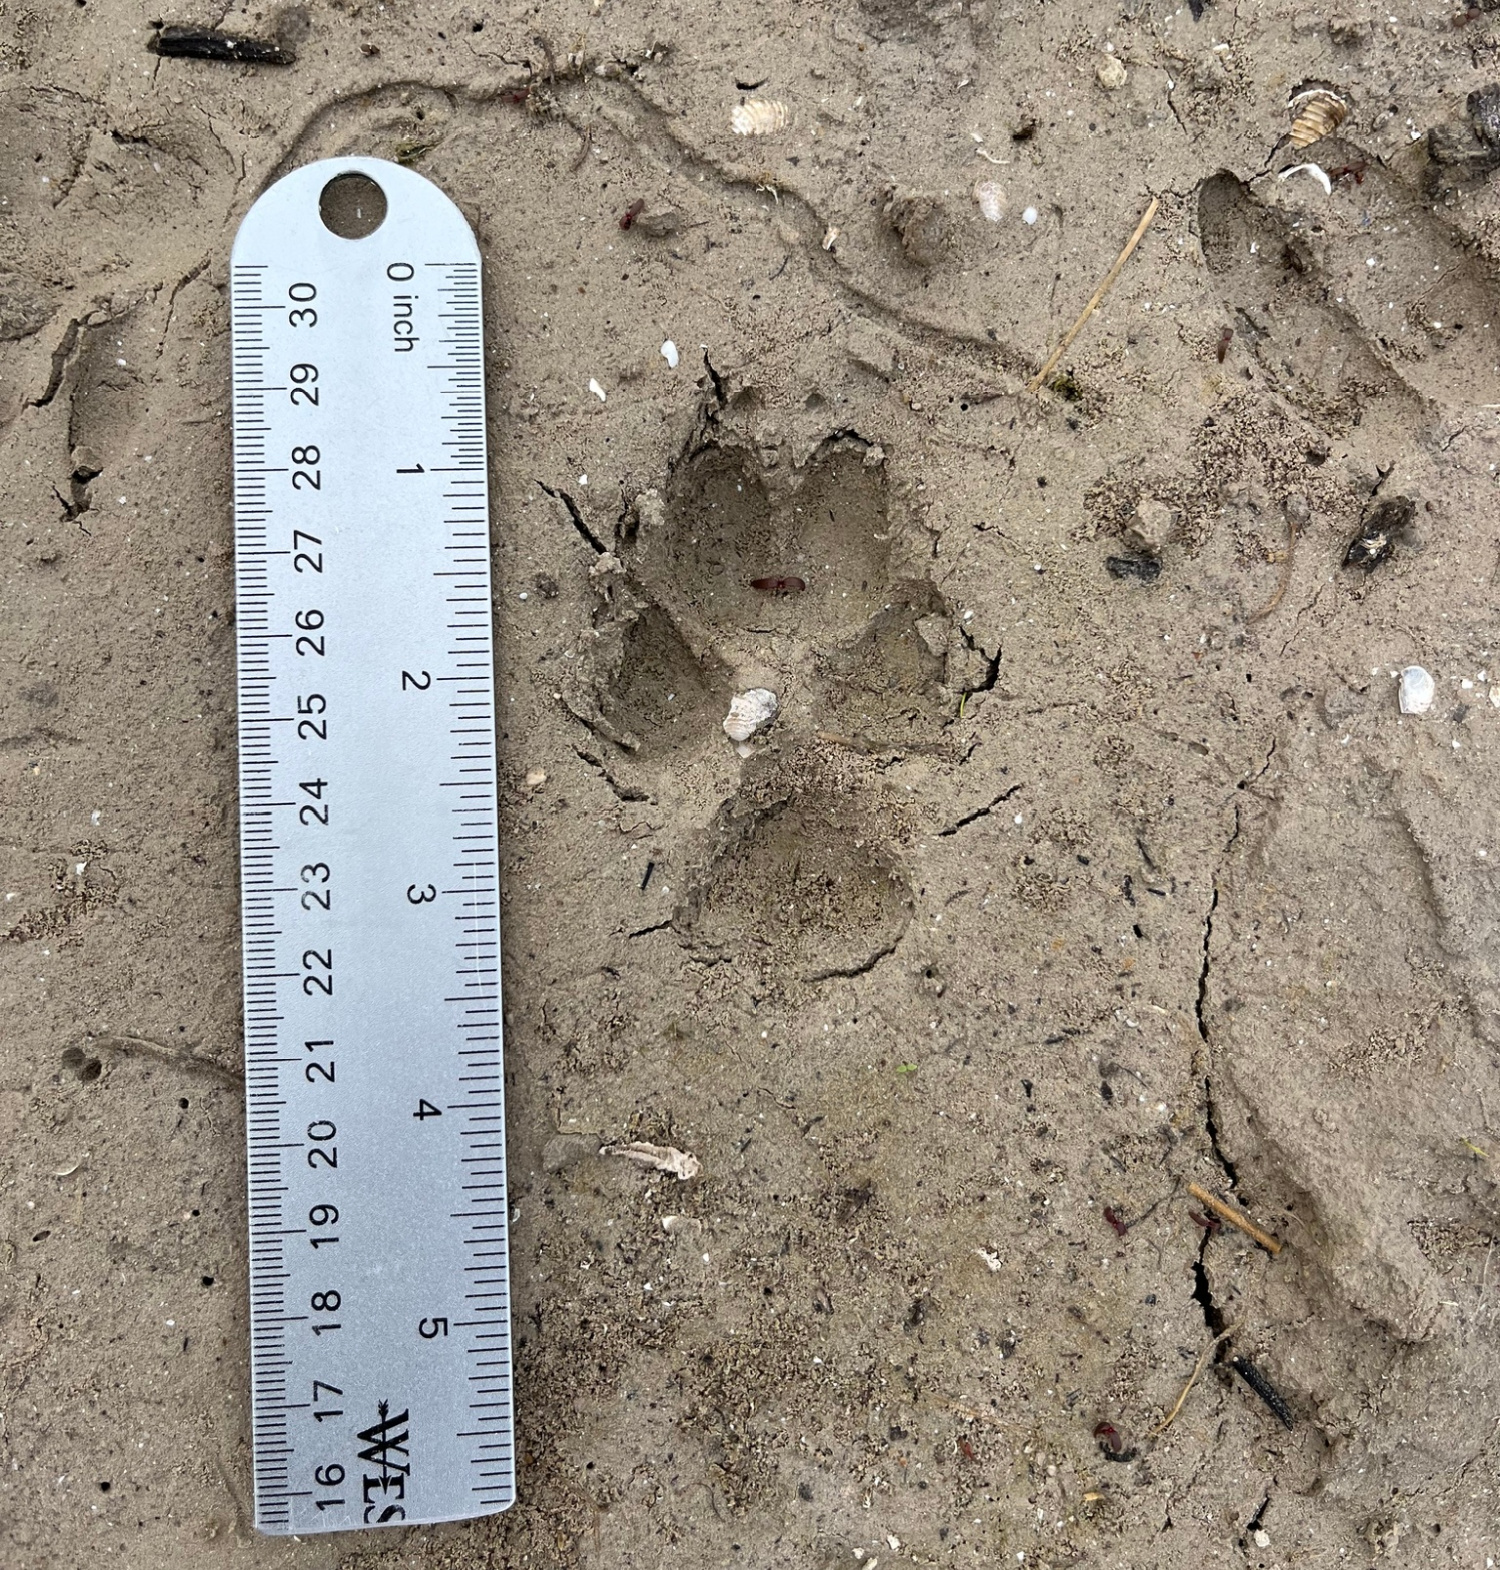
(386, 1450)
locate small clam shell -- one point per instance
(991, 199)
(1417, 690)
(758, 117)
(1316, 112)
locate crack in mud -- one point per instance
(576, 515)
(978, 813)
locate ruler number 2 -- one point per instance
(422, 681)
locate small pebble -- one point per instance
(1111, 73)
(535, 778)
(1030, 216)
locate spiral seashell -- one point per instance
(758, 117)
(1316, 112)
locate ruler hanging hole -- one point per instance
(352, 206)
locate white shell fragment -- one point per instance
(1030, 216)
(991, 199)
(663, 1158)
(1111, 73)
(597, 390)
(1417, 690)
(1318, 174)
(669, 353)
(758, 117)
(749, 712)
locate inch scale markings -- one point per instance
(380, 1335)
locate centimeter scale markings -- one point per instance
(380, 1335)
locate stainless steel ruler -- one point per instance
(369, 861)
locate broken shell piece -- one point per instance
(1111, 73)
(597, 390)
(749, 712)
(1316, 112)
(758, 117)
(991, 200)
(663, 1158)
(535, 778)
(1320, 175)
(669, 354)
(830, 236)
(1417, 690)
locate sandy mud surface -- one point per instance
(1088, 857)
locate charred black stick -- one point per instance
(206, 43)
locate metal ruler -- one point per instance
(369, 864)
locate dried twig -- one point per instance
(1096, 297)
(1235, 1218)
(1198, 1368)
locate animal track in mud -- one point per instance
(797, 875)
(887, 688)
(721, 533)
(1267, 276)
(663, 697)
(798, 885)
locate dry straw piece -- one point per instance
(1234, 1217)
(759, 117)
(1316, 112)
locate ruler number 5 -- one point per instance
(431, 1329)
